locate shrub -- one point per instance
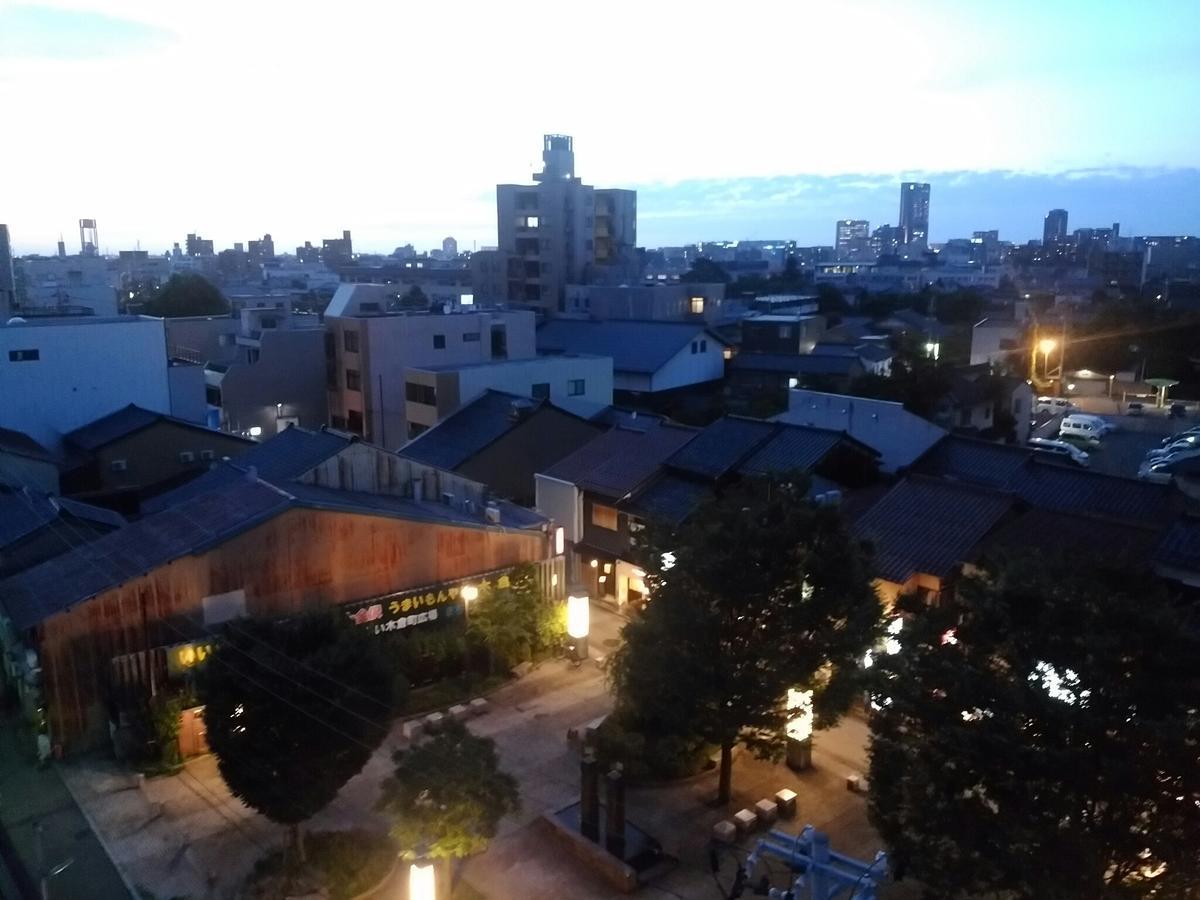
(647, 756)
(344, 863)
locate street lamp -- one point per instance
(469, 593)
(799, 728)
(1046, 345)
(422, 885)
(578, 625)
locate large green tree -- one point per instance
(512, 618)
(756, 592)
(294, 708)
(186, 295)
(447, 795)
(1039, 736)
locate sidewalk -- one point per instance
(28, 796)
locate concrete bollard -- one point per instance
(745, 820)
(785, 803)
(478, 706)
(725, 832)
(459, 713)
(412, 730)
(433, 722)
(767, 812)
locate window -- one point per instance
(499, 342)
(207, 454)
(695, 346)
(23, 355)
(119, 465)
(350, 341)
(604, 517)
(187, 456)
(470, 337)
(704, 345)
(354, 421)
(785, 331)
(269, 322)
(420, 393)
(697, 306)
(439, 342)
(541, 391)
(353, 380)
(576, 387)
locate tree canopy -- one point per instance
(1038, 737)
(447, 795)
(758, 591)
(294, 708)
(513, 619)
(705, 271)
(187, 294)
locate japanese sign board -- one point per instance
(397, 612)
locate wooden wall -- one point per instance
(300, 559)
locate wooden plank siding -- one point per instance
(298, 560)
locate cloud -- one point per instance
(52, 33)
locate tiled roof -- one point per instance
(21, 444)
(1049, 484)
(671, 499)
(461, 435)
(1179, 547)
(1111, 544)
(634, 346)
(795, 448)
(119, 424)
(721, 446)
(797, 364)
(284, 457)
(23, 511)
(621, 460)
(928, 526)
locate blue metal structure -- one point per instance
(823, 872)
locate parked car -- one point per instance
(1177, 411)
(1106, 426)
(1135, 409)
(1061, 449)
(1173, 457)
(1159, 472)
(1190, 442)
(1056, 405)
(1080, 428)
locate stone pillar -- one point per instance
(614, 830)
(589, 795)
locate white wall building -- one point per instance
(57, 374)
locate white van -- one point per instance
(1080, 428)
(1056, 405)
(1105, 425)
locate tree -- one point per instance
(1037, 737)
(758, 591)
(414, 298)
(513, 619)
(447, 795)
(187, 295)
(294, 708)
(705, 271)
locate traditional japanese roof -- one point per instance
(621, 460)
(635, 346)
(20, 444)
(124, 422)
(757, 447)
(797, 363)
(468, 430)
(1179, 547)
(24, 511)
(927, 526)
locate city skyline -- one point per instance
(312, 126)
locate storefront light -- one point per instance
(421, 882)
(559, 541)
(595, 563)
(469, 592)
(578, 616)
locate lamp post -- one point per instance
(469, 594)
(1046, 345)
(578, 625)
(422, 882)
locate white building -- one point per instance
(57, 374)
(582, 385)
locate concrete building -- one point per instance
(853, 239)
(580, 384)
(67, 283)
(560, 231)
(1054, 228)
(60, 374)
(449, 248)
(914, 213)
(368, 347)
(659, 302)
(993, 339)
(782, 333)
(8, 282)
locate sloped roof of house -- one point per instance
(124, 422)
(797, 364)
(635, 346)
(928, 526)
(24, 511)
(469, 429)
(621, 460)
(1179, 547)
(21, 444)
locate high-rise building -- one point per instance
(8, 282)
(260, 250)
(1054, 228)
(560, 231)
(853, 238)
(449, 248)
(886, 240)
(198, 246)
(914, 212)
(337, 250)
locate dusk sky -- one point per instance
(770, 120)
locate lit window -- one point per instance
(604, 517)
(697, 306)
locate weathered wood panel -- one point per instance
(299, 560)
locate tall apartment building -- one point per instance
(853, 238)
(369, 344)
(560, 231)
(914, 212)
(8, 281)
(1054, 228)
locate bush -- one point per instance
(425, 657)
(646, 756)
(343, 863)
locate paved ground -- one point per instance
(186, 836)
(31, 796)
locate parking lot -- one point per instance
(1121, 452)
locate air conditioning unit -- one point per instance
(492, 513)
(187, 456)
(447, 498)
(207, 454)
(119, 465)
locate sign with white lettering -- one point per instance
(406, 609)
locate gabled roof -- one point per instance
(124, 422)
(20, 444)
(23, 511)
(927, 526)
(796, 448)
(635, 346)
(1109, 544)
(284, 457)
(671, 499)
(620, 461)
(468, 430)
(719, 447)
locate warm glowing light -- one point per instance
(895, 626)
(668, 561)
(553, 579)
(800, 714)
(950, 637)
(578, 616)
(256, 431)
(868, 660)
(469, 592)
(892, 646)
(558, 541)
(595, 563)
(1062, 686)
(1047, 345)
(421, 885)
